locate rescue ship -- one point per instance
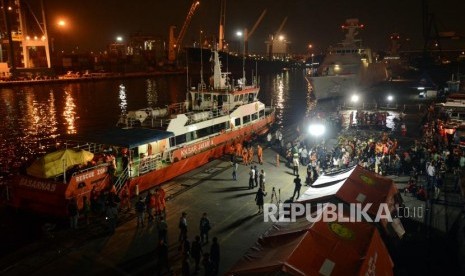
(148, 147)
(347, 67)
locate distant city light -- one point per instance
(119, 38)
(61, 23)
(390, 98)
(281, 37)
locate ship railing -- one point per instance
(91, 147)
(386, 106)
(212, 113)
(177, 108)
(123, 177)
(147, 164)
(156, 123)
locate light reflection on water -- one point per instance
(122, 97)
(69, 113)
(152, 93)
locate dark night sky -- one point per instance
(95, 23)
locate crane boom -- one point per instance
(281, 26)
(256, 24)
(175, 44)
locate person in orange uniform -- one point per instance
(162, 196)
(238, 149)
(260, 154)
(251, 153)
(245, 156)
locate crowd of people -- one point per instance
(432, 154)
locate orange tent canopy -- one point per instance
(319, 248)
(356, 185)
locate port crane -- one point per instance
(175, 43)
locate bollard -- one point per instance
(277, 160)
(137, 190)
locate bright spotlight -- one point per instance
(354, 98)
(316, 129)
(390, 98)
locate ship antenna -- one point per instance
(187, 75)
(201, 60)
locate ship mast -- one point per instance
(222, 23)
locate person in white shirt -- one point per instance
(251, 177)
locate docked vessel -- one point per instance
(149, 146)
(347, 67)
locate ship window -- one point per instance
(461, 116)
(180, 139)
(81, 185)
(241, 97)
(204, 132)
(207, 97)
(214, 98)
(219, 127)
(254, 116)
(236, 98)
(237, 122)
(250, 97)
(262, 113)
(246, 119)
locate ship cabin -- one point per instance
(225, 100)
(136, 150)
(222, 93)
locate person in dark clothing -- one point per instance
(185, 269)
(297, 186)
(183, 227)
(204, 228)
(207, 264)
(140, 211)
(73, 213)
(215, 256)
(162, 229)
(186, 248)
(259, 199)
(163, 261)
(196, 253)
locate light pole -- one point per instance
(389, 98)
(241, 34)
(62, 25)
